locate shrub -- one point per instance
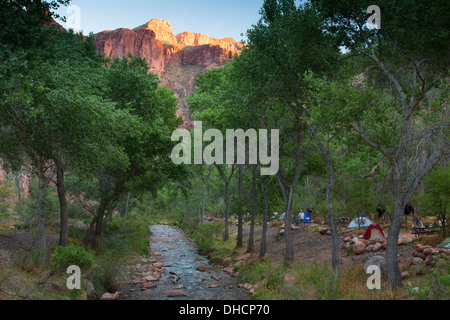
(64, 257)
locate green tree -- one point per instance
(411, 61)
(145, 138)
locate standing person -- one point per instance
(409, 209)
(301, 217)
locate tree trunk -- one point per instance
(251, 241)
(227, 209)
(330, 215)
(62, 203)
(126, 205)
(41, 240)
(240, 236)
(263, 247)
(393, 271)
(289, 254)
(95, 229)
(203, 203)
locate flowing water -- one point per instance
(181, 279)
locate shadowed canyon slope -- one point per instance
(177, 60)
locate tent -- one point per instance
(374, 232)
(360, 223)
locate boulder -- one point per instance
(359, 248)
(429, 259)
(422, 248)
(110, 296)
(417, 261)
(90, 292)
(407, 241)
(202, 268)
(405, 275)
(176, 294)
(376, 247)
(376, 261)
(148, 285)
(420, 255)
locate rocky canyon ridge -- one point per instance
(176, 59)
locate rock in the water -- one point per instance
(177, 294)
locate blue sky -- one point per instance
(218, 19)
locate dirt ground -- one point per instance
(13, 245)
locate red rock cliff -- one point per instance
(177, 60)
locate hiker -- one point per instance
(301, 217)
(381, 209)
(409, 209)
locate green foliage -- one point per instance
(207, 236)
(63, 257)
(125, 237)
(435, 201)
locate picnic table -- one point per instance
(423, 231)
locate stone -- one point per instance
(148, 285)
(422, 248)
(90, 292)
(376, 261)
(152, 278)
(359, 248)
(377, 247)
(369, 248)
(202, 268)
(420, 255)
(110, 296)
(417, 261)
(428, 251)
(157, 265)
(347, 239)
(176, 294)
(405, 275)
(407, 241)
(429, 259)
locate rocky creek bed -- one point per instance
(176, 271)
